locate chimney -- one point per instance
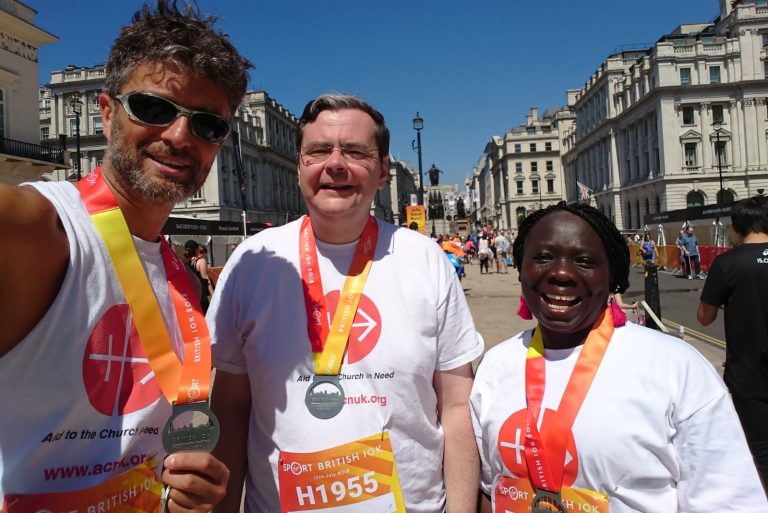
(534, 113)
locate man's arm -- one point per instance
(33, 261)
(231, 402)
(706, 313)
(461, 463)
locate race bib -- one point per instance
(137, 490)
(514, 495)
(360, 477)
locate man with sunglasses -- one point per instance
(343, 345)
(96, 310)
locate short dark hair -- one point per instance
(750, 215)
(339, 101)
(615, 246)
(181, 37)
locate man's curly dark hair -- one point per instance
(181, 37)
(615, 246)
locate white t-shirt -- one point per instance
(501, 243)
(657, 431)
(82, 403)
(412, 320)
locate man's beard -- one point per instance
(128, 169)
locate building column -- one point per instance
(614, 177)
(762, 151)
(736, 153)
(706, 142)
(750, 130)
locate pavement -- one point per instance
(494, 298)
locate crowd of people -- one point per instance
(343, 346)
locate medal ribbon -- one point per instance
(180, 383)
(545, 455)
(329, 344)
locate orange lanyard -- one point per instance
(180, 383)
(329, 343)
(545, 455)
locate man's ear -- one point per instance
(107, 107)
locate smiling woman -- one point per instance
(545, 403)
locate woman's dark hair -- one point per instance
(750, 215)
(190, 248)
(615, 245)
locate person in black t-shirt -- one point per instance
(738, 281)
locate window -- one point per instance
(534, 167)
(725, 197)
(765, 38)
(548, 146)
(694, 199)
(533, 146)
(72, 127)
(714, 74)
(98, 128)
(45, 132)
(550, 165)
(690, 154)
(535, 186)
(720, 155)
(518, 148)
(687, 115)
(717, 113)
(550, 185)
(546, 129)
(685, 76)
(518, 167)
(519, 187)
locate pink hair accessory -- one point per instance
(523, 311)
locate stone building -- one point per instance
(660, 128)
(22, 158)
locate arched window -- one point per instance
(694, 199)
(638, 217)
(725, 197)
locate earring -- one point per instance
(618, 315)
(523, 311)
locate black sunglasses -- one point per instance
(151, 109)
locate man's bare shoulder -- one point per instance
(32, 263)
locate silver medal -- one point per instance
(325, 397)
(199, 434)
(545, 501)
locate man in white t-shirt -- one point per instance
(385, 426)
(502, 247)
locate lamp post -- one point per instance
(418, 124)
(76, 106)
(717, 127)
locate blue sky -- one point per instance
(472, 69)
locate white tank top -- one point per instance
(80, 403)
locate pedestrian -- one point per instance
(502, 246)
(194, 258)
(484, 253)
(288, 393)
(96, 308)
(648, 248)
(593, 412)
(680, 253)
(689, 245)
(737, 282)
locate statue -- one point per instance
(460, 212)
(434, 175)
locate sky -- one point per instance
(472, 69)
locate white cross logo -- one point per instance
(517, 446)
(122, 360)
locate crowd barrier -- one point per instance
(669, 256)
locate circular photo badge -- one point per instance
(325, 397)
(191, 427)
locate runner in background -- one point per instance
(87, 399)
(343, 345)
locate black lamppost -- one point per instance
(719, 155)
(76, 106)
(418, 124)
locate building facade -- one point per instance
(390, 202)
(669, 126)
(22, 158)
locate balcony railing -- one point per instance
(31, 151)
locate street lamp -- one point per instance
(719, 154)
(418, 124)
(76, 106)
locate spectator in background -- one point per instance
(649, 250)
(690, 248)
